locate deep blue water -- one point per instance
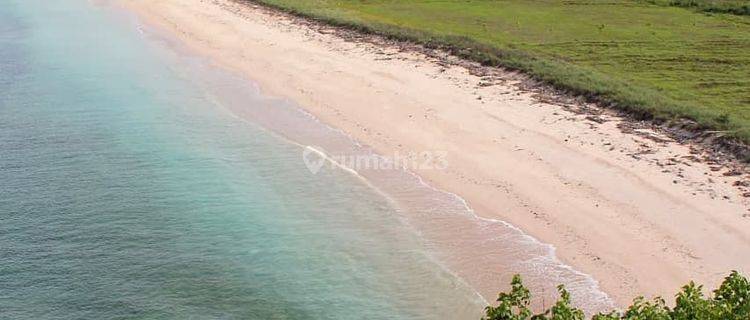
(128, 192)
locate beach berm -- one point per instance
(640, 212)
(646, 57)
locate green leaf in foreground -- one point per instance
(731, 301)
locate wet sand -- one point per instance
(632, 210)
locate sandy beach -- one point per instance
(638, 211)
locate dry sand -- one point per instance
(631, 209)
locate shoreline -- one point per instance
(512, 158)
(417, 202)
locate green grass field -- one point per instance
(741, 7)
(652, 58)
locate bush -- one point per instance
(731, 301)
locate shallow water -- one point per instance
(127, 192)
(138, 181)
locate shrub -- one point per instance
(731, 301)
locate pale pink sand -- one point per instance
(637, 221)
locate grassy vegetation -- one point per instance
(731, 301)
(653, 60)
(740, 7)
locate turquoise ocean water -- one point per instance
(127, 192)
(137, 181)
